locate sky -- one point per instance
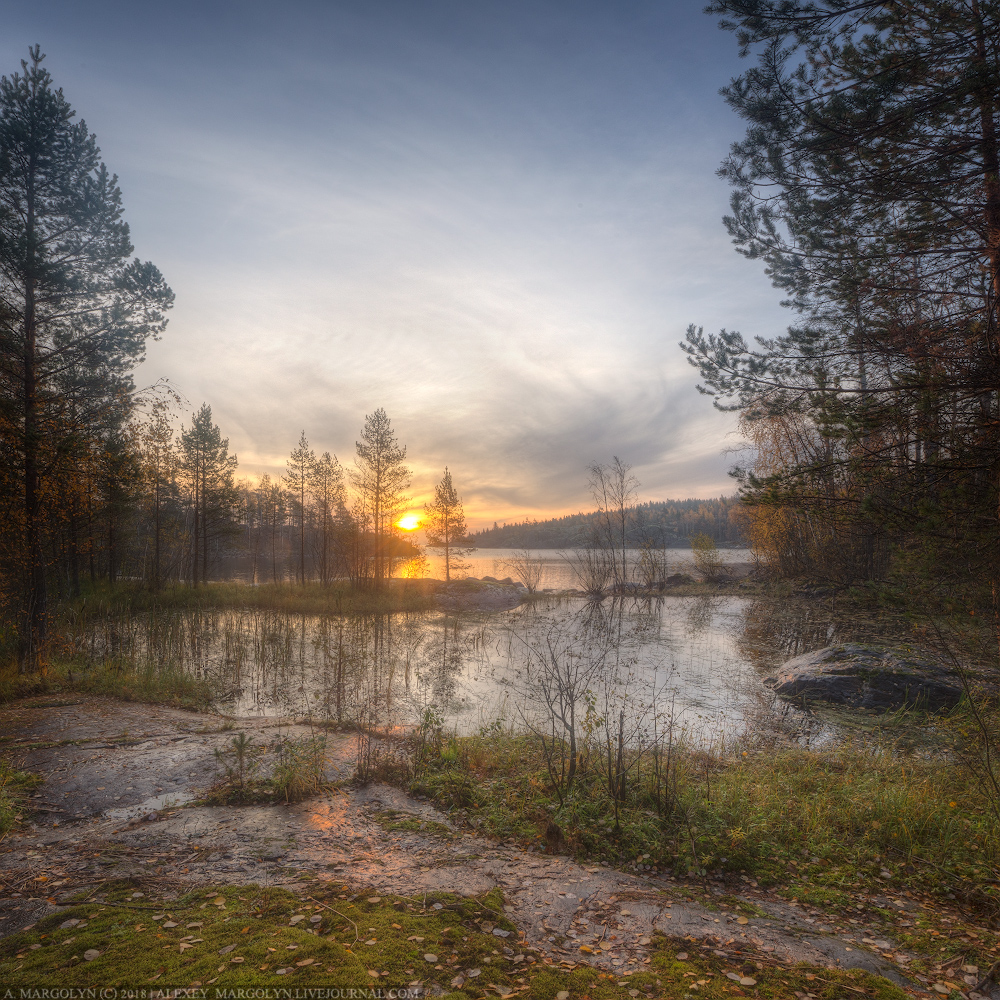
(494, 219)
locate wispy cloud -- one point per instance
(495, 220)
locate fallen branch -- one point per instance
(357, 936)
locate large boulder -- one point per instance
(875, 677)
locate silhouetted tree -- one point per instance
(445, 521)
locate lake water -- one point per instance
(699, 660)
(556, 564)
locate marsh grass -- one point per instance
(297, 770)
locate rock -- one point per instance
(474, 595)
(863, 676)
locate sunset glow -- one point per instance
(408, 523)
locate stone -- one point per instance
(880, 678)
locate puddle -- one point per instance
(155, 804)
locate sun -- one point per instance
(408, 523)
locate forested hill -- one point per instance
(668, 522)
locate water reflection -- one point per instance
(706, 654)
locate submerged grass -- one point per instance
(237, 936)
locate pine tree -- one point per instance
(159, 471)
(76, 309)
(213, 496)
(326, 485)
(444, 521)
(272, 515)
(299, 470)
(868, 183)
(380, 478)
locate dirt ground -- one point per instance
(119, 777)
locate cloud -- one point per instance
(494, 220)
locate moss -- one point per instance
(395, 820)
(362, 940)
(354, 936)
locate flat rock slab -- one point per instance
(880, 678)
(102, 779)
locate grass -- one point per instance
(159, 686)
(312, 598)
(362, 940)
(15, 785)
(862, 814)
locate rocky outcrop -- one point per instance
(478, 595)
(861, 676)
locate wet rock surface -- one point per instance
(865, 676)
(93, 824)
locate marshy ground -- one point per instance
(122, 811)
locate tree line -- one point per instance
(665, 523)
(868, 183)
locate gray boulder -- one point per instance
(874, 677)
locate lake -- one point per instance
(698, 660)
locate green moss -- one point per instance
(396, 820)
(361, 941)
(356, 935)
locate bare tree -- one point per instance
(615, 491)
(556, 676)
(523, 566)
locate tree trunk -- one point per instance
(33, 639)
